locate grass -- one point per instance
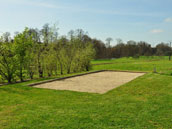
(162, 64)
(145, 102)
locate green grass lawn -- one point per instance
(162, 64)
(145, 102)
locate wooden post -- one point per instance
(154, 70)
(170, 52)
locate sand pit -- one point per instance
(101, 82)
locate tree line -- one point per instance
(104, 50)
(42, 53)
(129, 49)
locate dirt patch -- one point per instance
(100, 82)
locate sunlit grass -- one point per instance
(161, 64)
(142, 103)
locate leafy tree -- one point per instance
(88, 54)
(59, 49)
(50, 61)
(23, 41)
(162, 49)
(70, 51)
(8, 63)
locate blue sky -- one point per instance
(139, 20)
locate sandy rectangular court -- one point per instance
(101, 82)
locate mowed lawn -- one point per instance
(145, 102)
(146, 64)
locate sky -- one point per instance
(139, 20)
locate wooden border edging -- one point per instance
(126, 71)
(63, 78)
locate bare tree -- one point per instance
(45, 33)
(6, 37)
(108, 41)
(119, 41)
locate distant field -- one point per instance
(147, 64)
(145, 102)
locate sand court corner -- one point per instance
(100, 82)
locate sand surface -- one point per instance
(101, 82)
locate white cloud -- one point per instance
(168, 19)
(156, 31)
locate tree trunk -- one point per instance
(87, 68)
(169, 57)
(49, 74)
(39, 67)
(31, 75)
(9, 80)
(21, 74)
(68, 71)
(40, 73)
(61, 68)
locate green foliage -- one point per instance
(87, 55)
(41, 54)
(22, 43)
(8, 61)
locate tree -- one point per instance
(70, 51)
(162, 49)
(6, 37)
(23, 41)
(36, 35)
(100, 49)
(119, 41)
(144, 49)
(71, 34)
(46, 33)
(79, 33)
(131, 48)
(53, 32)
(108, 41)
(50, 60)
(88, 53)
(119, 50)
(108, 48)
(8, 63)
(59, 49)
